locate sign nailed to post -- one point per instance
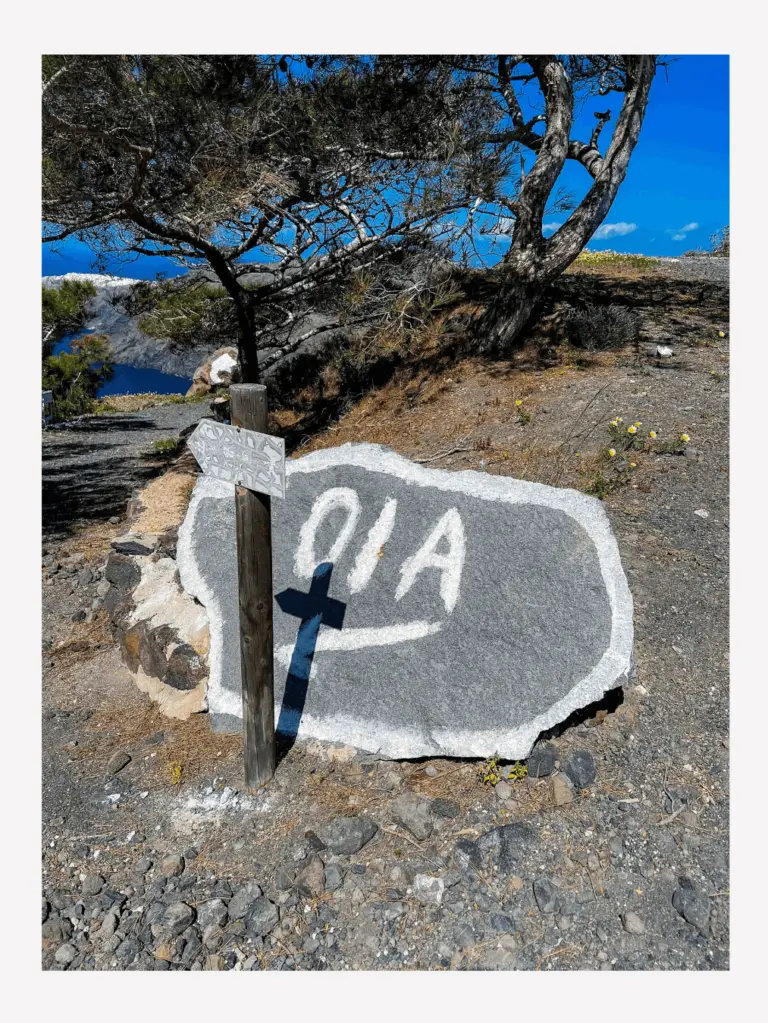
(243, 457)
(244, 454)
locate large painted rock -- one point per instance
(418, 612)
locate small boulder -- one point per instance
(177, 917)
(345, 836)
(311, 878)
(541, 762)
(262, 917)
(632, 922)
(243, 899)
(547, 895)
(411, 811)
(428, 889)
(118, 761)
(580, 768)
(211, 912)
(172, 865)
(692, 904)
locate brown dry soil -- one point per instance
(656, 812)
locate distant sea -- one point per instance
(131, 379)
(74, 257)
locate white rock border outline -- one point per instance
(615, 665)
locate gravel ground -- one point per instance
(697, 268)
(92, 465)
(610, 852)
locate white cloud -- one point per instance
(614, 230)
(678, 234)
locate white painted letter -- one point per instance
(450, 565)
(368, 558)
(305, 562)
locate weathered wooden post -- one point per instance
(254, 555)
(243, 454)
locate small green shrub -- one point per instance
(599, 327)
(168, 446)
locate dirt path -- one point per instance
(92, 465)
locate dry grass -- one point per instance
(190, 744)
(141, 402)
(164, 502)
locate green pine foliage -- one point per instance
(75, 376)
(64, 307)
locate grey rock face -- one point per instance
(92, 884)
(496, 608)
(466, 855)
(334, 878)
(345, 836)
(580, 768)
(65, 954)
(311, 878)
(136, 543)
(121, 572)
(692, 904)
(413, 813)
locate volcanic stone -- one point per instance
(541, 762)
(261, 918)
(547, 895)
(412, 812)
(345, 836)
(177, 917)
(243, 899)
(507, 846)
(211, 912)
(580, 768)
(461, 613)
(692, 904)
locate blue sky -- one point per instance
(674, 197)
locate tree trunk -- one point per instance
(506, 317)
(247, 354)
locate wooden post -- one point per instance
(254, 558)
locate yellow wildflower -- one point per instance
(518, 402)
(652, 434)
(631, 429)
(612, 452)
(633, 465)
(638, 424)
(684, 438)
(720, 333)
